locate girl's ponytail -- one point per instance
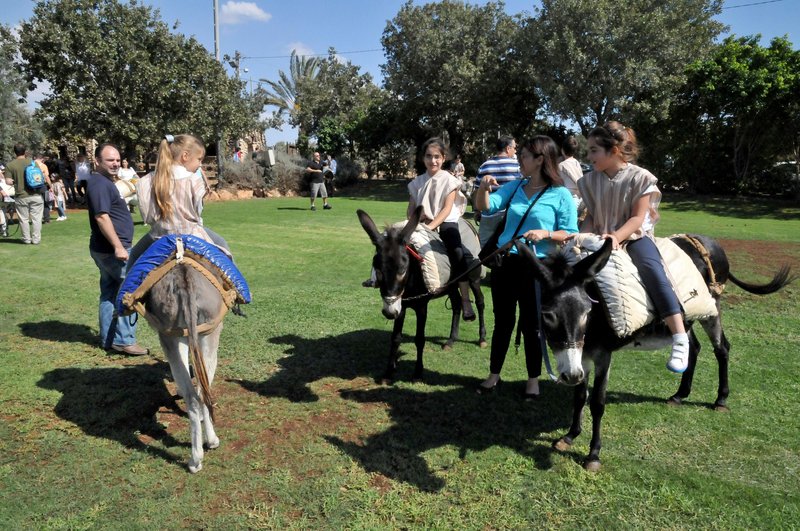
(162, 181)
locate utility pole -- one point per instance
(216, 56)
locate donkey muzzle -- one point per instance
(392, 306)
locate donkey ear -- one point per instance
(369, 227)
(411, 226)
(586, 269)
(540, 271)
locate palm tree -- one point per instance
(283, 94)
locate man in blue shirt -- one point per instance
(504, 167)
(109, 245)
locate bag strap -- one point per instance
(502, 224)
(530, 206)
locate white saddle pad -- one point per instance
(626, 302)
(435, 263)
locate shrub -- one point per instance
(244, 175)
(348, 172)
(396, 159)
(287, 174)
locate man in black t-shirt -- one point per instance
(316, 177)
(109, 245)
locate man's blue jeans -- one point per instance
(119, 330)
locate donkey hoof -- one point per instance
(483, 343)
(722, 408)
(562, 445)
(194, 469)
(385, 380)
(592, 465)
(212, 444)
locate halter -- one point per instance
(566, 345)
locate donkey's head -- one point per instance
(566, 306)
(391, 260)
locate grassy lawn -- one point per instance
(309, 440)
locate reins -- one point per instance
(443, 289)
(503, 248)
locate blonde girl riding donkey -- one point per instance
(171, 197)
(438, 192)
(622, 203)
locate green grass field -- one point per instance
(309, 440)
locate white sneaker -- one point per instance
(679, 359)
(61, 218)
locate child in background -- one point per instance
(622, 205)
(59, 196)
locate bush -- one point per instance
(287, 174)
(396, 159)
(245, 175)
(348, 172)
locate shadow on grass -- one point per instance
(735, 207)
(60, 331)
(446, 412)
(347, 356)
(116, 404)
(458, 418)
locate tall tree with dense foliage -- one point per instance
(598, 59)
(16, 122)
(457, 68)
(738, 109)
(117, 72)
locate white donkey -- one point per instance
(186, 309)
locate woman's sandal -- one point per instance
(483, 390)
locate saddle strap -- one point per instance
(134, 300)
(714, 287)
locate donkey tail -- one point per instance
(195, 354)
(781, 279)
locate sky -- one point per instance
(265, 32)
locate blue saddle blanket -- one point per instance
(164, 247)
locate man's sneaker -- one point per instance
(313, 207)
(327, 207)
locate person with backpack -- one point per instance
(29, 182)
(45, 191)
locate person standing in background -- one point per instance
(504, 168)
(46, 191)
(570, 170)
(29, 202)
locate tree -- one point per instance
(597, 59)
(456, 68)
(742, 104)
(117, 73)
(285, 93)
(333, 105)
(16, 122)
